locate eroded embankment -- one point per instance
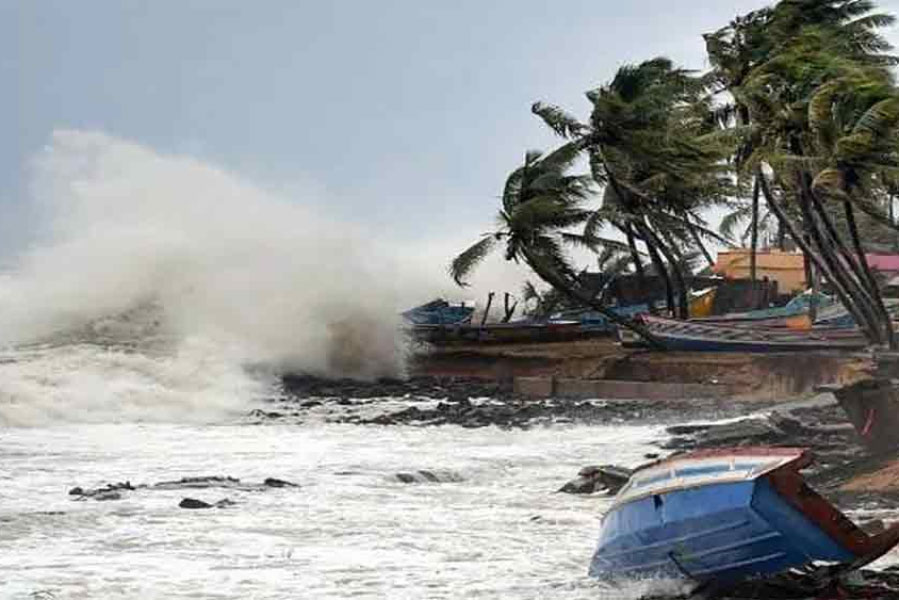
(605, 366)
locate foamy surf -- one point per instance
(155, 279)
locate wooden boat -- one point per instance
(716, 337)
(439, 312)
(723, 516)
(793, 315)
(596, 321)
(702, 303)
(504, 333)
(564, 326)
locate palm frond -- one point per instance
(731, 221)
(465, 263)
(558, 120)
(879, 120)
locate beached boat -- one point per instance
(563, 326)
(504, 333)
(722, 516)
(718, 337)
(597, 321)
(792, 315)
(439, 312)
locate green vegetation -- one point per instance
(795, 129)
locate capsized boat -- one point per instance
(722, 516)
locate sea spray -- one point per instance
(155, 279)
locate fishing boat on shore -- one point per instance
(439, 312)
(722, 516)
(793, 315)
(503, 333)
(718, 337)
(560, 327)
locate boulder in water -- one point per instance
(193, 503)
(278, 483)
(110, 491)
(610, 478)
(202, 482)
(428, 476)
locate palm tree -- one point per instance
(823, 112)
(611, 262)
(541, 202)
(653, 146)
(734, 51)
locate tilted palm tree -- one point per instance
(611, 262)
(734, 51)
(541, 202)
(824, 113)
(656, 150)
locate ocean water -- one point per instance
(352, 530)
(142, 325)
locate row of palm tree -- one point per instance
(800, 111)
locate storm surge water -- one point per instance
(159, 301)
(155, 281)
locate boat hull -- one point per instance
(702, 337)
(724, 532)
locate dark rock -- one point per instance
(580, 485)
(686, 429)
(110, 491)
(202, 482)
(428, 476)
(735, 433)
(591, 479)
(193, 503)
(278, 483)
(105, 495)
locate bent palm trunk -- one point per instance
(788, 228)
(559, 282)
(869, 277)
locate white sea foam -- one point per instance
(351, 531)
(136, 245)
(141, 258)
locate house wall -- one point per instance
(786, 268)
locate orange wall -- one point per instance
(786, 268)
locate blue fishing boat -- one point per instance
(722, 516)
(439, 312)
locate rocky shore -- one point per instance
(468, 402)
(814, 421)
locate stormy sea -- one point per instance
(144, 330)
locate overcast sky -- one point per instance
(403, 115)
